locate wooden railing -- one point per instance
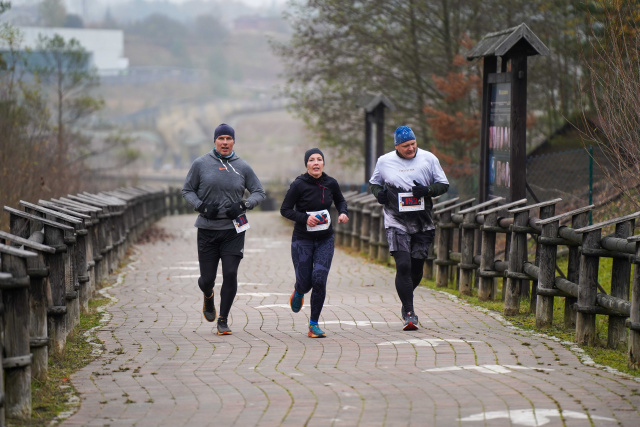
(523, 271)
(51, 260)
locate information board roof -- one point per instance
(370, 102)
(501, 42)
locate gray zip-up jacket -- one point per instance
(221, 182)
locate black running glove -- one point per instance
(208, 211)
(382, 197)
(236, 209)
(420, 190)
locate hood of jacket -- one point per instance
(234, 156)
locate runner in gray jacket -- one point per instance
(215, 187)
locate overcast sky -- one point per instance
(75, 3)
(248, 2)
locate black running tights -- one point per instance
(408, 276)
(208, 271)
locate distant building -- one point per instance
(106, 47)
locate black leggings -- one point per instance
(408, 276)
(312, 262)
(208, 271)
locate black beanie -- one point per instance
(224, 129)
(311, 151)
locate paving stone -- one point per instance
(164, 365)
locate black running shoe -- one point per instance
(209, 308)
(223, 328)
(410, 321)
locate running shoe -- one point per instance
(209, 308)
(316, 332)
(296, 302)
(410, 321)
(223, 328)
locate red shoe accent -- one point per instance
(410, 327)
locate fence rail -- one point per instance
(57, 251)
(465, 249)
(51, 260)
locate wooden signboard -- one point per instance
(504, 111)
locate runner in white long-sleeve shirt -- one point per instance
(404, 181)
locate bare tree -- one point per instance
(68, 72)
(341, 50)
(24, 127)
(614, 68)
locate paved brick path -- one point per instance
(163, 364)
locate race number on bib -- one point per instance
(241, 223)
(407, 202)
(325, 220)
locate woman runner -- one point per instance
(307, 204)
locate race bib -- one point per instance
(407, 202)
(325, 220)
(241, 223)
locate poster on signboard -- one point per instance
(499, 155)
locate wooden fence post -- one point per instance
(442, 257)
(39, 299)
(634, 318)
(547, 274)
(374, 231)
(517, 258)
(84, 261)
(579, 220)
(547, 210)
(468, 227)
(358, 206)
(587, 291)
(620, 282)
(57, 236)
(429, 272)
(113, 227)
(16, 318)
(487, 256)
(104, 232)
(342, 230)
(443, 262)
(346, 228)
(77, 260)
(383, 244)
(90, 216)
(365, 228)
(486, 272)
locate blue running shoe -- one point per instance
(296, 301)
(315, 331)
(410, 321)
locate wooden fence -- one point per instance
(51, 260)
(465, 247)
(57, 251)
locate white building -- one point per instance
(105, 46)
